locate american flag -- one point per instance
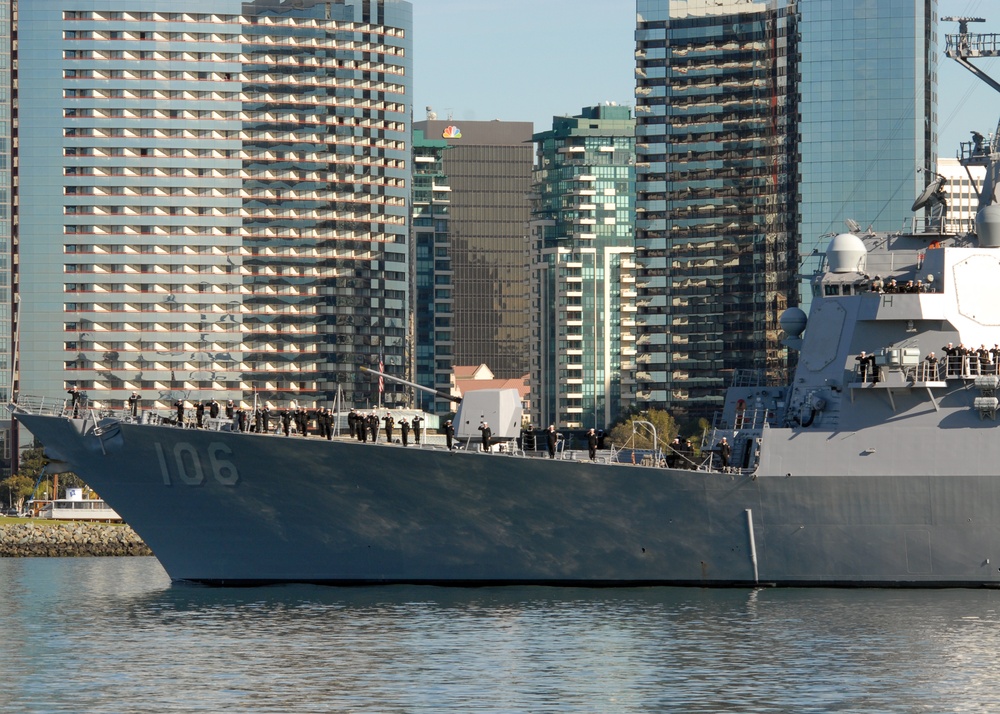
(381, 369)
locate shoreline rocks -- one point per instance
(21, 540)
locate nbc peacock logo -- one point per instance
(451, 132)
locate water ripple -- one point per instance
(113, 635)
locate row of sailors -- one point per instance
(259, 420)
(255, 420)
(958, 361)
(962, 361)
(365, 426)
(890, 286)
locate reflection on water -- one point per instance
(113, 635)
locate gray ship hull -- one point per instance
(229, 508)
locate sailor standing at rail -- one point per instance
(416, 429)
(487, 434)
(529, 438)
(551, 439)
(449, 433)
(133, 404)
(952, 359)
(179, 406)
(74, 398)
(213, 408)
(725, 451)
(199, 413)
(930, 368)
(388, 421)
(592, 444)
(862, 360)
(404, 429)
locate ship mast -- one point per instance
(965, 46)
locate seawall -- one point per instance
(68, 539)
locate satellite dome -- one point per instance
(793, 321)
(846, 254)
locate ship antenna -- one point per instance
(963, 46)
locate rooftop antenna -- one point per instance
(853, 225)
(431, 114)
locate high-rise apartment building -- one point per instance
(762, 127)
(433, 342)
(716, 183)
(583, 313)
(213, 197)
(488, 165)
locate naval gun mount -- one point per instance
(500, 408)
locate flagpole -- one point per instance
(381, 382)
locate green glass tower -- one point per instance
(583, 278)
(432, 353)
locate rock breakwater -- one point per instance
(68, 539)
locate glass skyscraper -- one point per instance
(8, 234)
(433, 301)
(488, 165)
(213, 197)
(762, 127)
(716, 182)
(868, 129)
(583, 316)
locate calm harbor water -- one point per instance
(114, 635)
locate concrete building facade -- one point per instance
(213, 198)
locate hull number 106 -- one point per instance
(183, 464)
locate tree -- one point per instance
(32, 462)
(666, 430)
(16, 488)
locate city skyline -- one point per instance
(457, 66)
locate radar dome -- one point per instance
(846, 254)
(793, 321)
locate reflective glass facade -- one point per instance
(213, 197)
(488, 165)
(716, 182)
(433, 341)
(8, 248)
(583, 316)
(868, 72)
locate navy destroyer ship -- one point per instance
(879, 465)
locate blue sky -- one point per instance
(530, 60)
(521, 60)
